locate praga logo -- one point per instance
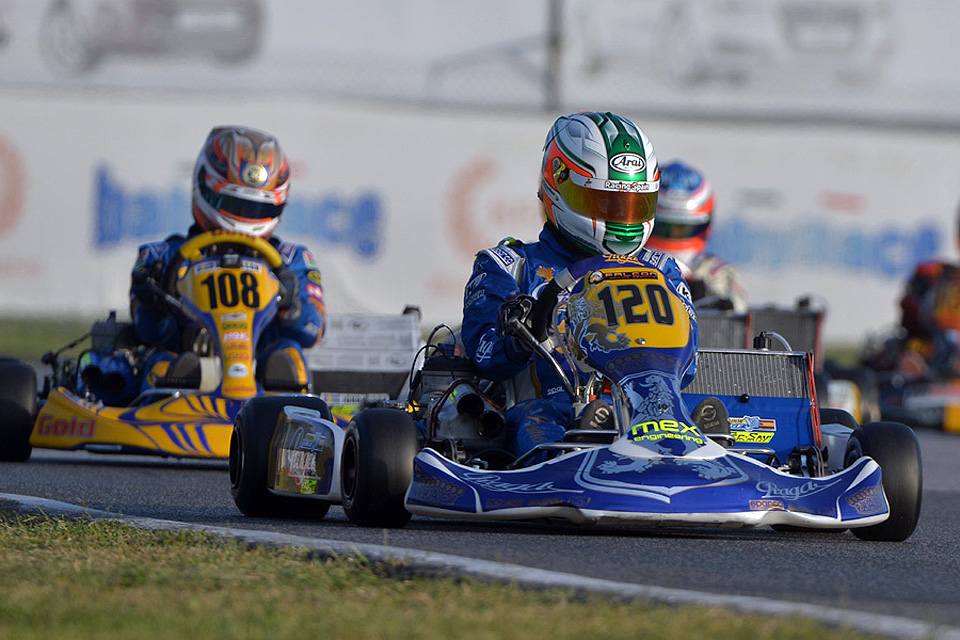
(795, 492)
(498, 484)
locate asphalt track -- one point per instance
(909, 589)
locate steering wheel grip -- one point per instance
(192, 250)
(542, 311)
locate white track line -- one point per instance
(447, 564)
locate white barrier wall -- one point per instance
(394, 202)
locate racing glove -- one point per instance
(516, 306)
(289, 304)
(144, 286)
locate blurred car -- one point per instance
(693, 41)
(76, 35)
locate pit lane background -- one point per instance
(832, 135)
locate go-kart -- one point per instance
(776, 459)
(222, 281)
(918, 381)
(800, 328)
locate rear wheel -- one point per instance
(250, 459)
(829, 415)
(377, 467)
(895, 448)
(18, 409)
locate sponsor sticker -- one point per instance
(545, 272)
(252, 265)
(67, 428)
(630, 187)
(505, 256)
(299, 464)
(238, 370)
(793, 491)
(657, 429)
(494, 482)
(867, 501)
(630, 163)
(255, 175)
(236, 336)
(767, 505)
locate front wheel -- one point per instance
(377, 467)
(250, 460)
(895, 448)
(18, 408)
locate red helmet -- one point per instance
(240, 181)
(684, 212)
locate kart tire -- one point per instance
(895, 448)
(250, 460)
(829, 415)
(377, 467)
(867, 385)
(18, 409)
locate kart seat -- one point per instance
(184, 373)
(280, 373)
(711, 416)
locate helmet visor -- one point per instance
(239, 207)
(629, 203)
(679, 230)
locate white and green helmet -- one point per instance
(599, 182)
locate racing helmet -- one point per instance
(599, 183)
(240, 181)
(684, 212)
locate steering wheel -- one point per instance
(193, 250)
(540, 314)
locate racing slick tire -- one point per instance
(377, 467)
(250, 440)
(829, 415)
(895, 448)
(18, 408)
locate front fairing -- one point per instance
(658, 419)
(235, 300)
(611, 486)
(625, 321)
(180, 424)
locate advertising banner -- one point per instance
(395, 202)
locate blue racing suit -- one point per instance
(299, 328)
(542, 409)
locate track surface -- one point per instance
(918, 579)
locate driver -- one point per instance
(240, 184)
(598, 192)
(684, 214)
(930, 321)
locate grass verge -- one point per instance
(101, 579)
(30, 339)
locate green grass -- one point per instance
(30, 339)
(71, 579)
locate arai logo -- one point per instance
(628, 163)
